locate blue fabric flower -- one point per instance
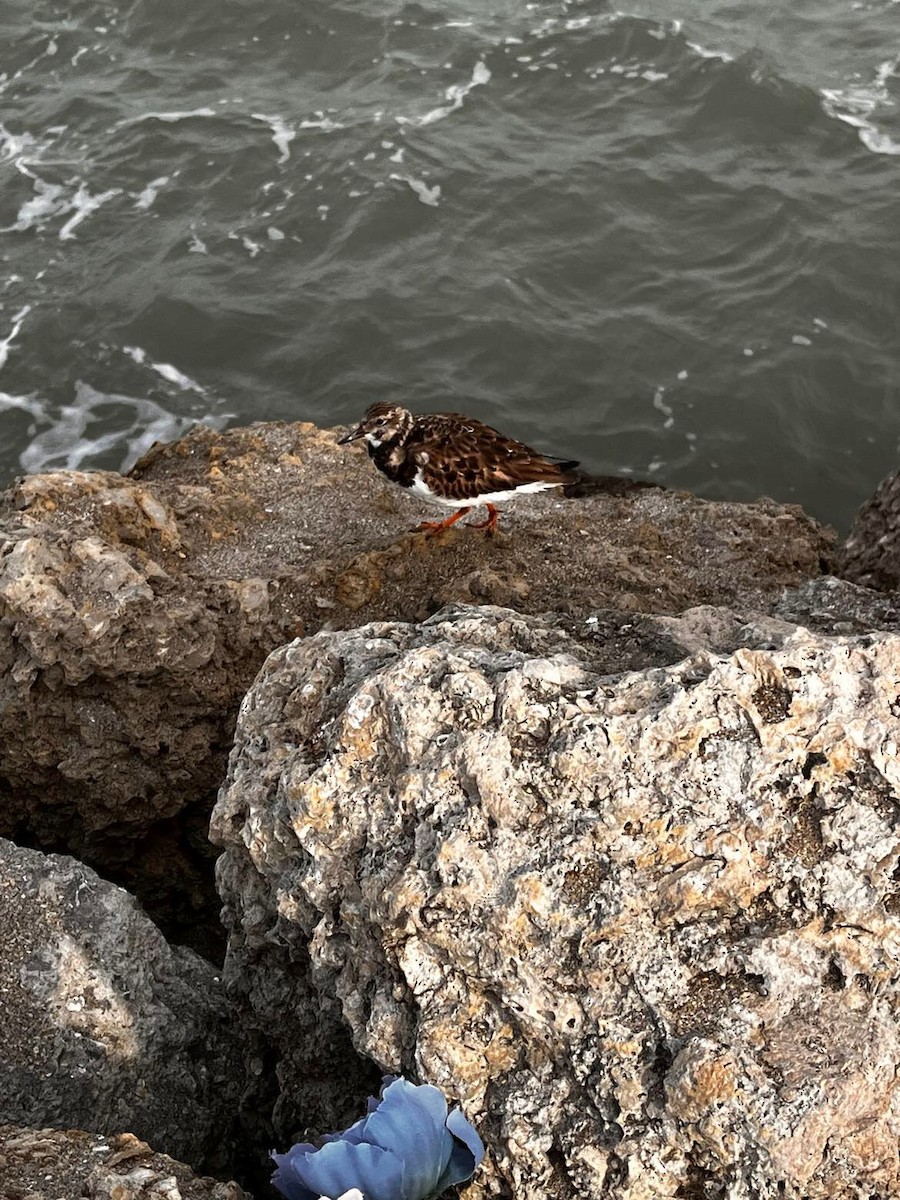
(408, 1147)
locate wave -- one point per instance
(96, 429)
(17, 322)
(856, 104)
(646, 50)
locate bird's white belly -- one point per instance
(420, 488)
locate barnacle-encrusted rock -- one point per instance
(135, 611)
(105, 1027)
(643, 925)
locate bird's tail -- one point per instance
(567, 467)
(582, 483)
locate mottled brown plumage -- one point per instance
(454, 460)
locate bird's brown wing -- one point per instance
(467, 459)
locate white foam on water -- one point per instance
(706, 52)
(282, 134)
(856, 103)
(196, 245)
(632, 70)
(13, 146)
(84, 204)
(17, 323)
(659, 403)
(48, 52)
(139, 355)
(456, 95)
(427, 195)
(169, 117)
(68, 443)
(321, 121)
(31, 404)
(145, 198)
(673, 28)
(50, 201)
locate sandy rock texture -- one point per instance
(103, 1026)
(54, 1164)
(135, 611)
(871, 553)
(644, 924)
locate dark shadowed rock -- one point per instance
(870, 556)
(135, 612)
(105, 1027)
(643, 924)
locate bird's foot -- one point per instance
(489, 525)
(432, 528)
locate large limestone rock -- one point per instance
(135, 611)
(105, 1027)
(870, 556)
(644, 924)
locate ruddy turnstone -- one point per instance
(454, 461)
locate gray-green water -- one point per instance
(663, 241)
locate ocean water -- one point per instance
(662, 239)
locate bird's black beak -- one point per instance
(351, 436)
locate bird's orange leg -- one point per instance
(433, 527)
(491, 523)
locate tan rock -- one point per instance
(643, 925)
(135, 612)
(55, 1164)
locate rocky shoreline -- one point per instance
(595, 825)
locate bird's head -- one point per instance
(382, 423)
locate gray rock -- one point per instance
(838, 607)
(643, 925)
(870, 556)
(105, 1027)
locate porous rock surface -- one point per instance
(643, 924)
(103, 1025)
(135, 611)
(870, 555)
(70, 1164)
